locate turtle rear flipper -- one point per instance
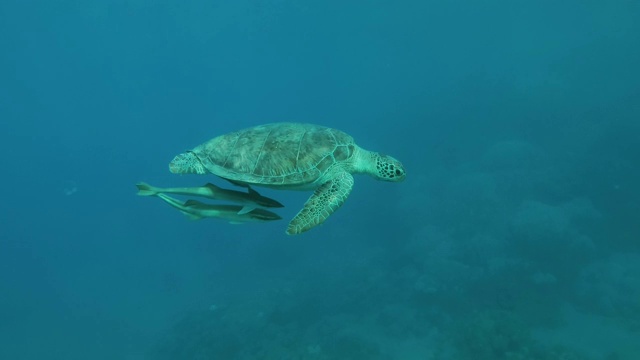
(325, 200)
(187, 163)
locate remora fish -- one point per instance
(197, 210)
(250, 200)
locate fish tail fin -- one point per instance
(145, 189)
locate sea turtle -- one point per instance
(291, 156)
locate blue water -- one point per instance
(514, 236)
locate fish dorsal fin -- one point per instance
(246, 209)
(253, 192)
(193, 203)
(212, 187)
(238, 183)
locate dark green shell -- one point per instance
(280, 154)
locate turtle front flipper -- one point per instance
(325, 200)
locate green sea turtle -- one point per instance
(291, 156)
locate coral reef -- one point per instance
(546, 234)
(611, 287)
(500, 335)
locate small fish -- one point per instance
(197, 210)
(250, 200)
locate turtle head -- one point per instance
(187, 163)
(388, 168)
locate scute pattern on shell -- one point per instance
(277, 154)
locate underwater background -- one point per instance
(516, 234)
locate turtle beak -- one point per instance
(400, 173)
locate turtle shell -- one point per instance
(278, 154)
